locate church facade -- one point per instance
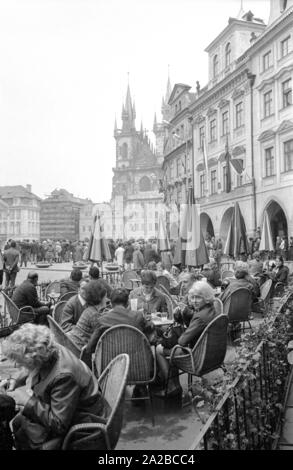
(136, 201)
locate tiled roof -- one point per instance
(16, 191)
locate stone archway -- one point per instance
(278, 220)
(225, 223)
(206, 225)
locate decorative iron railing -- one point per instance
(248, 415)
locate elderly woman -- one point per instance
(149, 299)
(198, 315)
(95, 297)
(61, 390)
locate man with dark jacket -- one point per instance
(119, 315)
(26, 295)
(72, 283)
(11, 258)
(242, 279)
(73, 309)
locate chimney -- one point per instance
(29, 188)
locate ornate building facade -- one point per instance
(19, 213)
(242, 120)
(136, 201)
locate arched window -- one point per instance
(215, 66)
(124, 151)
(228, 55)
(144, 184)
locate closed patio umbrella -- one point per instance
(190, 249)
(236, 242)
(266, 241)
(98, 246)
(163, 240)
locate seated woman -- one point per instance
(281, 272)
(149, 298)
(95, 297)
(63, 391)
(200, 313)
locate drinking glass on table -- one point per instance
(164, 316)
(133, 304)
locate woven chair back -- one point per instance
(238, 305)
(62, 338)
(57, 312)
(126, 339)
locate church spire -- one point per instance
(155, 123)
(128, 112)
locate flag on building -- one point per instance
(228, 169)
(205, 157)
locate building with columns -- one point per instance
(242, 118)
(135, 200)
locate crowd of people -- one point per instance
(96, 306)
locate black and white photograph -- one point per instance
(146, 228)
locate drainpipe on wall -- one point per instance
(251, 78)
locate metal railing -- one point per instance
(249, 414)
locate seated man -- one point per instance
(72, 283)
(26, 295)
(149, 299)
(94, 275)
(119, 315)
(212, 274)
(255, 265)
(187, 280)
(162, 271)
(73, 309)
(242, 279)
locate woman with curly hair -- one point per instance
(95, 296)
(61, 390)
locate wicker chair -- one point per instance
(57, 311)
(130, 279)
(62, 338)
(218, 304)
(163, 281)
(53, 291)
(279, 289)
(226, 274)
(208, 353)
(18, 316)
(238, 307)
(103, 435)
(127, 339)
(67, 296)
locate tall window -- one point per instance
(201, 136)
(268, 103)
(202, 185)
(213, 181)
(215, 66)
(179, 165)
(225, 177)
(225, 123)
(285, 46)
(287, 93)
(267, 60)
(228, 54)
(288, 155)
(269, 162)
(213, 130)
(239, 114)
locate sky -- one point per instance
(64, 69)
